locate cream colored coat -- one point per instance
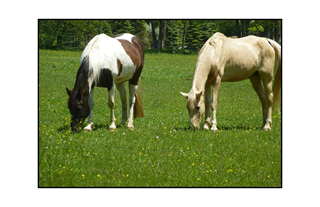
(223, 59)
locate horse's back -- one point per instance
(122, 55)
(240, 58)
(134, 48)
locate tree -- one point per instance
(47, 33)
(154, 36)
(141, 33)
(208, 28)
(91, 29)
(105, 28)
(123, 26)
(162, 32)
(172, 33)
(194, 35)
(184, 35)
(56, 34)
(53, 33)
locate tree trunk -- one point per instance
(247, 26)
(238, 28)
(243, 28)
(184, 35)
(154, 37)
(266, 31)
(162, 31)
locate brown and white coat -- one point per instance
(108, 62)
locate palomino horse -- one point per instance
(107, 62)
(223, 59)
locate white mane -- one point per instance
(92, 51)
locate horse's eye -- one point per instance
(198, 107)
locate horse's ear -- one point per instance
(185, 95)
(198, 95)
(68, 91)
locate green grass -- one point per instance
(162, 151)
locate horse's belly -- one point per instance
(125, 75)
(236, 74)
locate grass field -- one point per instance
(162, 151)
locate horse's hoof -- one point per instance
(266, 129)
(112, 129)
(88, 128)
(206, 127)
(214, 130)
(131, 128)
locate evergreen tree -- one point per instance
(105, 28)
(142, 34)
(208, 28)
(172, 34)
(57, 34)
(123, 26)
(194, 35)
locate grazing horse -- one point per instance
(107, 62)
(223, 59)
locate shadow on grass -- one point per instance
(66, 128)
(223, 128)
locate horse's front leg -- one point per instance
(112, 126)
(132, 100)
(207, 102)
(214, 104)
(123, 98)
(90, 117)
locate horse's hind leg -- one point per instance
(267, 83)
(123, 97)
(257, 86)
(112, 126)
(132, 91)
(90, 117)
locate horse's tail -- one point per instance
(138, 110)
(277, 80)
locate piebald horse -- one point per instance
(107, 62)
(223, 59)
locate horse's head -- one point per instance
(78, 106)
(195, 106)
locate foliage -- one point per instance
(141, 33)
(123, 26)
(162, 151)
(208, 28)
(172, 34)
(57, 34)
(194, 35)
(106, 28)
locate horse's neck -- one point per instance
(201, 72)
(82, 79)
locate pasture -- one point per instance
(162, 150)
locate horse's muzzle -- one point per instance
(195, 126)
(74, 128)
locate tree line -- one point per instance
(172, 35)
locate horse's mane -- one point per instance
(91, 52)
